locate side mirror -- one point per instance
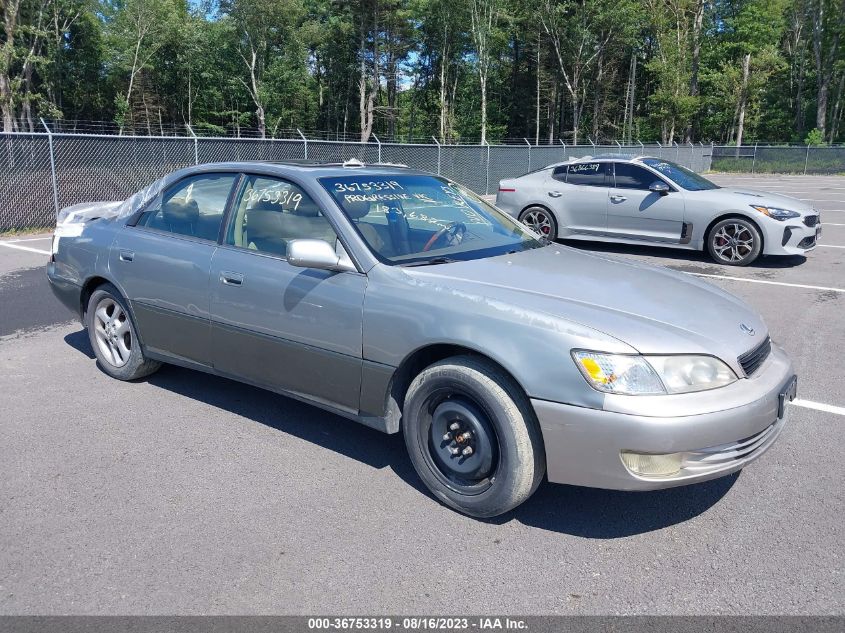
(317, 254)
(658, 186)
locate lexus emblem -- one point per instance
(747, 329)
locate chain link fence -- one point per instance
(784, 159)
(42, 172)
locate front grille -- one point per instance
(807, 242)
(751, 360)
(811, 220)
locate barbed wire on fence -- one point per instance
(41, 172)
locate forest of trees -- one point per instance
(729, 71)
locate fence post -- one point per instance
(677, 152)
(487, 179)
(527, 142)
(642, 147)
(564, 148)
(619, 144)
(806, 159)
(52, 167)
(304, 140)
(438, 154)
(379, 146)
(196, 149)
(754, 158)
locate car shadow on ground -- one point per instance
(764, 262)
(584, 512)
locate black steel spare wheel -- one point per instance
(462, 443)
(472, 436)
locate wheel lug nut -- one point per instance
(454, 450)
(467, 451)
(454, 426)
(466, 436)
(447, 437)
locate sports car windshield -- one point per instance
(681, 176)
(418, 220)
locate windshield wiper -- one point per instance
(430, 262)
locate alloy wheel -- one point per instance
(538, 221)
(113, 332)
(733, 242)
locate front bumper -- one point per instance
(790, 238)
(719, 431)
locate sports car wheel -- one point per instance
(473, 437)
(113, 336)
(540, 221)
(735, 242)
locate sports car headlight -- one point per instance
(775, 213)
(650, 375)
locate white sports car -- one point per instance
(652, 201)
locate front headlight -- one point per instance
(650, 375)
(775, 213)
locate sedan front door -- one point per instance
(635, 212)
(297, 330)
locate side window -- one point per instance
(589, 174)
(633, 177)
(270, 212)
(193, 206)
(559, 173)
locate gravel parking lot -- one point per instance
(185, 493)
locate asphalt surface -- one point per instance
(188, 494)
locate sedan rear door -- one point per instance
(635, 212)
(578, 194)
(161, 262)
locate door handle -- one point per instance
(555, 194)
(126, 256)
(618, 198)
(231, 279)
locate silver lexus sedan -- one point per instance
(400, 300)
(652, 201)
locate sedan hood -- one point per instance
(653, 309)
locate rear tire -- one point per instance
(473, 437)
(114, 337)
(541, 221)
(734, 242)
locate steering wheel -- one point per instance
(453, 232)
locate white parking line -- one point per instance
(833, 224)
(830, 245)
(28, 239)
(819, 406)
(24, 248)
(772, 283)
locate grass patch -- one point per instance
(17, 232)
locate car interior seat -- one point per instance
(179, 216)
(360, 209)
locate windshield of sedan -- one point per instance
(418, 219)
(681, 176)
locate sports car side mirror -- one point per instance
(658, 186)
(316, 254)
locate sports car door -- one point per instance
(635, 212)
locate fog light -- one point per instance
(647, 465)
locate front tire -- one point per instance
(734, 242)
(473, 437)
(541, 221)
(113, 336)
